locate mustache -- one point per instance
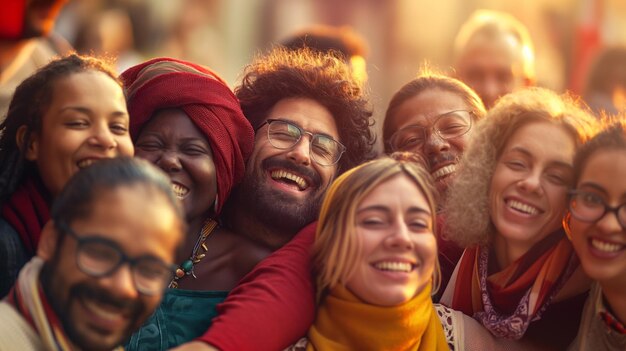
(442, 158)
(104, 297)
(309, 173)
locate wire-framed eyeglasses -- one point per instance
(323, 149)
(448, 125)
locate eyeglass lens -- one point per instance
(284, 135)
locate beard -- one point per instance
(280, 211)
(53, 287)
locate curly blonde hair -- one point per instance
(467, 212)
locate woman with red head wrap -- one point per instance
(186, 120)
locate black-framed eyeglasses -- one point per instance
(448, 125)
(590, 207)
(323, 149)
(99, 257)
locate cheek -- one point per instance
(557, 197)
(125, 146)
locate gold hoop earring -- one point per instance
(566, 227)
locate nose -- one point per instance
(531, 182)
(400, 238)
(609, 223)
(490, 91)
(169, 161)
(103, 138)
(434, 144)
(301, 152)
(121, 283)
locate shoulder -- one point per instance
(15, 333)
(12, 256)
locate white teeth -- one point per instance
(84, 163)
(101, 312)
(394, 266)
(280, 174)
(522, 207)
(604, 246)
(444, 171)
(179, 190)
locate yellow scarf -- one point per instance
(346, 323)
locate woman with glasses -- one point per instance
(433, 116)
(185, 120)
(519, 276)
(596, 225)
(64, 117)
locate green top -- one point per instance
(182, 316)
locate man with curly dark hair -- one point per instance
(312, 124)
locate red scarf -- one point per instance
(507, 301)
(27, 211)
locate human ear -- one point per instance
(31, 145)
(48, 241)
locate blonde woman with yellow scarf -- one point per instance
(375, 257)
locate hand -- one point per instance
(194, 346)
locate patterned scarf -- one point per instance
(28, 210)
(346, 323)
(506, 302)
(30, 302)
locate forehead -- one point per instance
(306, 113)
(545, 140)
(423, 109)
(483, 52)
(138, 218)
(87, 88)
(173, 120)
(399, 190)
(606, 168)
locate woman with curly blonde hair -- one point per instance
(519, 276)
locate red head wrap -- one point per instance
(170, 83)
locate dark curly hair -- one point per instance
(29, 103)
(325, 78)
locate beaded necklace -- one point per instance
(186, 268)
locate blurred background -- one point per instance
(401, 35)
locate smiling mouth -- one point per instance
(605, 246)
(522, 207)
(180, 191)
(444, 171)
(404, 267)
(86, 162)
(107, 316)
(290, 179)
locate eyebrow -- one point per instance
(527, 153)
(299, 126)
(89, 112)
(381, 208)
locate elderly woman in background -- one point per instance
(186, 120)
(596, 224)
(519, 276)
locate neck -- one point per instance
(508, 251)
(616, 298)
(244, 222)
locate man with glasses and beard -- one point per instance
(312, 124)
(101, 269)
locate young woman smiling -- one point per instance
(596, 224)
(519, 276)
(64, 117)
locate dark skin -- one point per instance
(171, 141)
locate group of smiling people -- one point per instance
(500, 229)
